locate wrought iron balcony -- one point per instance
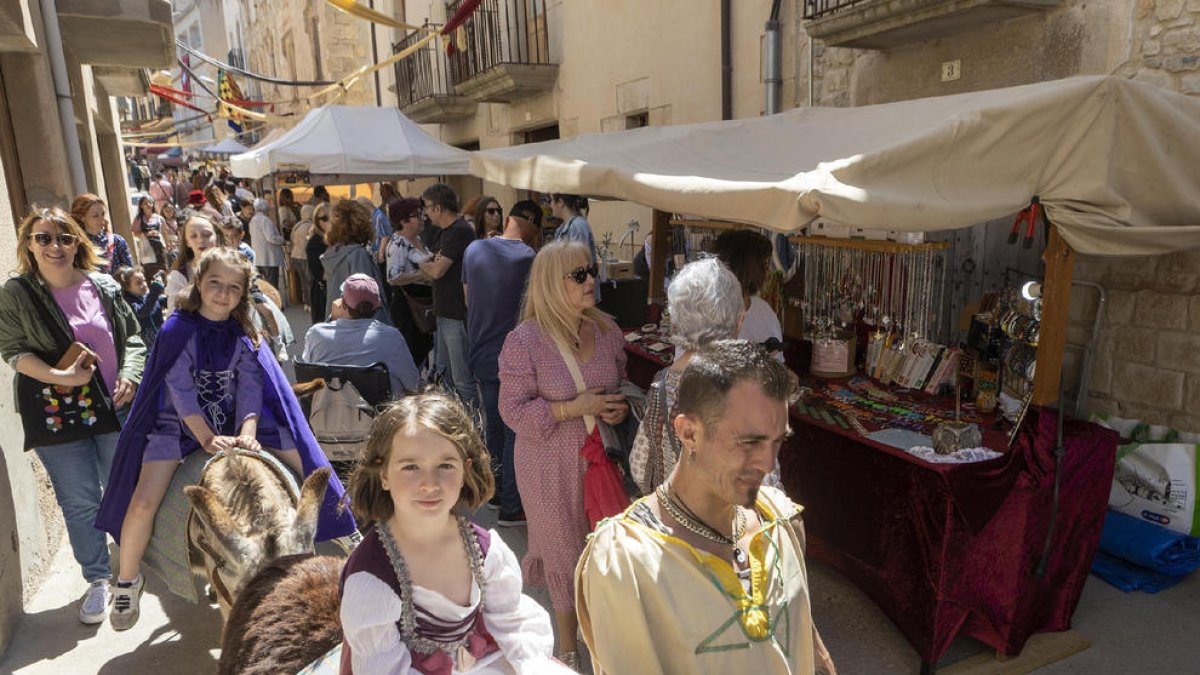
(882, 24)
(506, 54)
(423, 87)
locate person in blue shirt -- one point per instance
(570, 209)
(494, 274)
(355, 338)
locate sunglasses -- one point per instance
(580, 275)
(44, 239)
(492, 210)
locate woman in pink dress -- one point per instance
(541, 403)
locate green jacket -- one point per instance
(22, 330)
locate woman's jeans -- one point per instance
(77, 471)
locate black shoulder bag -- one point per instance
(52, 414)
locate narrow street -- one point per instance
(1129, 632)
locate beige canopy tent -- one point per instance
(1113, 161)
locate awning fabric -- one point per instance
(1114, 162)
(353, 144)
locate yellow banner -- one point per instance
(349, 81)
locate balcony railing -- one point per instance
(423, 88)
(815, 9)
(507, 50)
(423, 74)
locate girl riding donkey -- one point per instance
(223, 390)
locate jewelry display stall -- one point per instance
(945, 549)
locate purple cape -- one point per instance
(278, 399)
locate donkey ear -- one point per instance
(312, 494)
(221, 525)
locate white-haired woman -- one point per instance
(267, 241)
(541, 403)
(705, 301)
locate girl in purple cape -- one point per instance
(222, 391)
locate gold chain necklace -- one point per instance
(696, 525)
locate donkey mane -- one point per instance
(255, 496)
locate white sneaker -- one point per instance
(95, 602)
(125, 604)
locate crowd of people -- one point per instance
(474, 318)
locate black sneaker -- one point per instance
(511, 518)
(494, 502)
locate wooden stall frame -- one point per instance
(1056, 303)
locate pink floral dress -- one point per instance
(550, 471)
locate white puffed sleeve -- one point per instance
(519, 624)
(370, 610)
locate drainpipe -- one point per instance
(726, 63)
(62, 91)
(375, 59)
(772, 62)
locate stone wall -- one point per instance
(280, 42)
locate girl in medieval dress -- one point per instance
(210, 384)
(428, 591)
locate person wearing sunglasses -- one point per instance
(489, 218)
(551, 415)
(411, 294)
(57, 267)
(495, 271)
(313, 250)
(570, 209)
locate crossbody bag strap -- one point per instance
(573, 366)
(63, 339)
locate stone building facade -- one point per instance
(310, 40)
(666, 70)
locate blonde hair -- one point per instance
(190, 301)
(86, 258)
(546, 298)
(436, 411)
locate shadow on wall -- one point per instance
(11, 588)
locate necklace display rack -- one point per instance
(895, 290)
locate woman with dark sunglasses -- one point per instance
(57, 267)
(488, 218)
(314, 248)
(541, 403)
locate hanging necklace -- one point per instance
(408, 617)
(695, 524)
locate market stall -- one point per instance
(340, 145)
(347, 145)
(1099, 165)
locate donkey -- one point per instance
(285, 617)
(245, 514)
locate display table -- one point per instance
(949, 549)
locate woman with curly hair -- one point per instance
(349, 236)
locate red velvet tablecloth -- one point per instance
(951, 549)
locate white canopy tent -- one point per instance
(1113, 162)
(340, 145)
(224, 148)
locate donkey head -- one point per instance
(245, 518)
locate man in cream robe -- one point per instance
(662, 588)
